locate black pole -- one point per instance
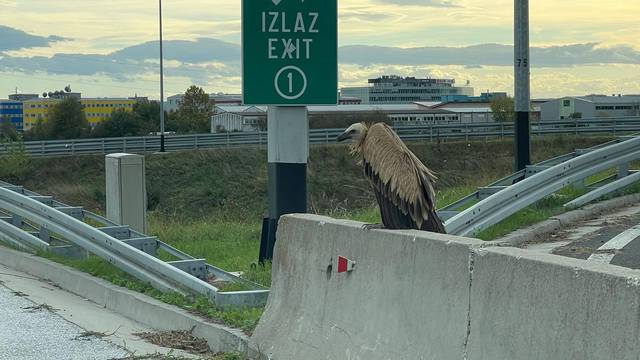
(288, 151)
(522, 140)
(522, 84)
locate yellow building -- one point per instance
(36, 109)
(95, 109)
(100, 109)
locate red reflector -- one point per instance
(345, 264)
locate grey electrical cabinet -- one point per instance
(126, 190)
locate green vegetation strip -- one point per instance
(548, 207)
(241, 318)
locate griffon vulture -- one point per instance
(401, 182)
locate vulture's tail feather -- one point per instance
(433, 224)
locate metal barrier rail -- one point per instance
(452, 209)
(39, 223)
(502, 199)
(144, 144)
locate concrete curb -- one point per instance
(131, 304)
(556, 223)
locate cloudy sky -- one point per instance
(108, 48)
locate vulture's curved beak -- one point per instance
(344, 136)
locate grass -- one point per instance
(542, 210)
(229, 245)
(241, 318)
(550, 206)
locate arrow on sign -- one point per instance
(276, 2)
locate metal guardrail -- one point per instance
(39, 223)
(521, 189)
(603, 190)
(457, 131)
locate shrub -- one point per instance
(15, 162)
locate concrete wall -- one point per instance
(418, 295)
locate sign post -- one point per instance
(289, 61)
(522, 65)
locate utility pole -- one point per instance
(522, 65)
(161, 83)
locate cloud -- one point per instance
(489, 54)
(207, 59)
(196, 60)
(200, 51)
(13, 39)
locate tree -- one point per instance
(7, 129)
(194, 114)
(121, 123)
(66, 120)
(503, 109)
(149, 114)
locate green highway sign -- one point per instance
(289, 52)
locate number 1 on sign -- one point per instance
(290, 76)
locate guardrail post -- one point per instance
(614, 128)
(228, 140)
(196, 141)
(126, 191)
(42, 147)
(623, 170)
(124, 145)
(144, 145)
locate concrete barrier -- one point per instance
(408, 297)
(417, 295)
(542, 306)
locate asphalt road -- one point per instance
(27, 332)
(611, 238)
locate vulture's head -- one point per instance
(354, 132)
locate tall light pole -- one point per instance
(522, 67)
(161, 83)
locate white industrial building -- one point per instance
(392, 89)
(237, 118)
(173, 102)
(247, 118)
(590, 107)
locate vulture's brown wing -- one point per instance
(403, 185)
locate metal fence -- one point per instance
(440, 132)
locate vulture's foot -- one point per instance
(373, 226)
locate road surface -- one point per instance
(29, 332)
(32, 331)
(612, 238)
